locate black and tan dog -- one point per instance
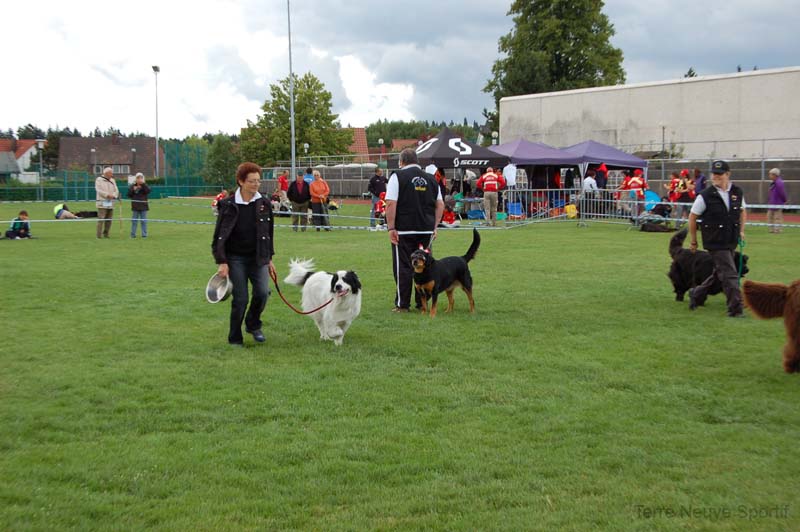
(432, 277)
(691, 269)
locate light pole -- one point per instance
(156, 70)
(494, 138)
(380, 155)
(40, 145)
(291, 83)
(133, 160)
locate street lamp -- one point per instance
(133, 159)
(380, 155)
(494, 137)
(156, 70)
(305, 150)
(40, 145)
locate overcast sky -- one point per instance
(87, 63)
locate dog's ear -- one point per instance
(334, 280)
(421, 246)
(352, 279)
(428, 251)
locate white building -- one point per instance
(744, 115)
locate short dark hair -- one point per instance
(23, 213)
(308, 170)
(246, 169)
(408, 156)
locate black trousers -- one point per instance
(402, 270)
(726, 271)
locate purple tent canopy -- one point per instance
(526, 152)
(591, 152)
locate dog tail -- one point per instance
(299, 271)
(766, 300)
(676, 242)
(473, 248)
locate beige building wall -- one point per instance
(726, 116)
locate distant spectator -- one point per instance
(283, 186)
(299, 194)
(219, 197)
(107, 193)
(377, 185)
(138, 192)
(491, 184)
(309, 176)
(699, 181)
(62, 212)
(441, 180)
(319, 199)
(601, 176)
(777, 196)
(20, 227)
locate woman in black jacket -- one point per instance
(243, 249)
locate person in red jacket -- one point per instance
(221, 196)
(491, 183)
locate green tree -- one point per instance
(30, 132)
(555, 45)
(221, 162)
(268, 139)
(690, 73)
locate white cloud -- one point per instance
(370, 99)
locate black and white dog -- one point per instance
(318, 288)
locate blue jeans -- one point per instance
(241, 269)
(135, 217)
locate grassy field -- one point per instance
(579, 395)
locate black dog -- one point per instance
(432, 277)
(690, 269)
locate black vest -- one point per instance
(416, 200)
(720, 225)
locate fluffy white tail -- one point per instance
(299, 271)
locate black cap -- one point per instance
(720, 167)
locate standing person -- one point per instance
(491, 184)
(309, 176)
(686, 196)
(299, 193)
(723, 211)
(319, 199)
(699, 180)
(283, 187)
(414, 206)
(441, 180)
(20, 227)
(107, 192)
(243, 248)
(777, 196)
(589, 193)
(138, 193)
(377, 184)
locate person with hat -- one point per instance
(138, 193)
(777, 197)
(243, 248)
(721, 210)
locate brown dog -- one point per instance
(773, 301)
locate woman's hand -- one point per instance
(272, 271)
(222, 271)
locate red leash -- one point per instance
(278, 288)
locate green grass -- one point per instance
(580, 395)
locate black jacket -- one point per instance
(416, 200)
(299, 196)
(139, 198)
(377, 185)
(721, 226)
(226, 221)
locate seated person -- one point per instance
(380, 211)
(20, 227)
(449, 218)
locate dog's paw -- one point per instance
(338, 341)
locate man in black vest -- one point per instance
(721, 210)
(414, 207)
